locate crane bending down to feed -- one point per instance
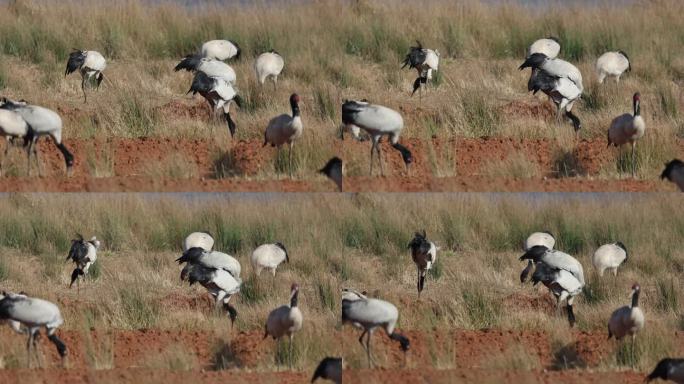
(221, 50)
(269, 64)
(424, 61)
(84, 254)
(40, 122)
(549, 46)
(368, 314)
(610, 256)
(612, 64)
(32, 313)
(269, 256)
(377, 121)
(202, 240)
(285, 320)
(90, 64)
(219, 93)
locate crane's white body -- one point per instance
(284, 321)
(198, 240)
(267, 256)
(377, 121)
(12, 124)
(222, 285)
(564, 70)
(219, 50)
(539, 238)
(93, 245)
(43, 121)
(608, 256)
(564, 285)
(284, 129)
(33, 313)
(268, 64)
(627, 320)
(564, 262)
(549, 47)
(94, 64)
(223, 261)
(611, 64)
(369, 314)
(625, 129)
(217, 69)
(431, 62)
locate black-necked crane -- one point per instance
(609, 256)
(221, 50)
(424, 255)
(612, 64)
(269, 257)
(674, 171)
(549, 46)
(12, 126)
(269, 64)
(219, 93)
(556, 260)
(377, 121)
(627, 320)
(333, 170)
(668, 369)
(285, 320)
(211, 259)
(285, 129)
(563, 285)
(84, 254)
(330, 368)
(90, 64)
(539, 238)
(423, 60)
(628, 128)
(221, 284)
(559, 80)
(202, 240)
(41, 122)
(210, 67)
(33, 314)
(369, 314)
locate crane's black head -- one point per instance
(239, 101)
(419, 238)
(621, 245)
(59, 344)
(100, 77)
(328, 364)
(238, 54)
(403, 341)
(663, 369)
(535, 253)
(670, 167)
(68, 158)
(282, 246)
(534, 60)
(629, 63)
(333, 169)
(405, 154)
(232, 313)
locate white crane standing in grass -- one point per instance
(559, 80)
(330, 368)
(369, 314)
(610, 256)
(674, 171)
(668, 369)
(539, 238)
(12, 126)
(424, 61)
(268, 256)
(202, 240)
(424, 255)
(285, 129)
(32, 313)
(377, 121)
(90, 64)
(628, 128)
(627, 320)
(41, 122)
(612, 64)
(285, 320)
(84, 254)
(549, 46)
(221, 50)
(269, 64)
(333, 170)
(219, 94)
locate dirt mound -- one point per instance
(532, 109)
(541, 303)
(181, 109)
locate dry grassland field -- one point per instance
(475, 127)
(133, 320)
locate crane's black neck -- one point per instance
(637, 108)
(294, 299)
(295, 108)
(68, 157)
(635, 298)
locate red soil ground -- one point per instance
(472, 352)
(130, 160)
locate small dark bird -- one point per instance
(668, 369)
(674, 171)
(333, 169)
(329, 368)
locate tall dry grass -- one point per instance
(340, 241)
(334, 50)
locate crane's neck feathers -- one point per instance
(294, 298)
(635, 298)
